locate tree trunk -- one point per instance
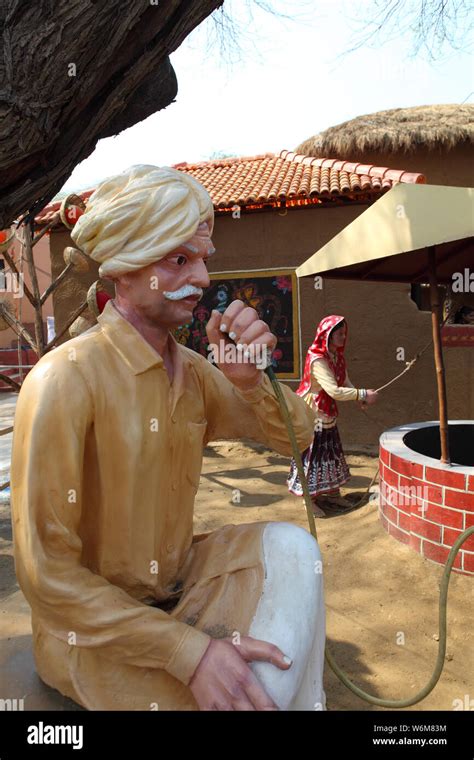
(74, 71)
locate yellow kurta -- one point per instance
(106, 463)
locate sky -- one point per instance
(289, 79)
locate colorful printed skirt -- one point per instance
(324, 465)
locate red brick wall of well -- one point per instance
(427, 508)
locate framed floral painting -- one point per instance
(272, 293)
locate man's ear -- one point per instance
(121, 282)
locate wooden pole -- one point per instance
(18, 328)
(39, 333)
(51, 288)
(45, 229)
(66, 327)
(11, 382)
(438, 356)
(14, 269)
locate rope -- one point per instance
(363, 498)
(443, 596)
(410, 364)
(382, 424)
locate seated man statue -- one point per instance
(130, 611)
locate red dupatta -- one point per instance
(320, 348)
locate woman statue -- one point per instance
(325, 381)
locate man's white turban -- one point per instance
(135, 218)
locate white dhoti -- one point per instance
(291, 615)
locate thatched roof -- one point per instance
(400, 129)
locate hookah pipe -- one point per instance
(443, 592)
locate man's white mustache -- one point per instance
(184, 292)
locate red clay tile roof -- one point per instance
(285, 179)
(289, 177)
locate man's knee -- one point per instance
(294, 545)
(293, 575)
(289, 612)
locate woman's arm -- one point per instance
(323, 375)
(348, 382)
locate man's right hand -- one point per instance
(371, 397)
(224, 681)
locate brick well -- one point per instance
(423, 503)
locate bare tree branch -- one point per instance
(433, 24)
(235, 26)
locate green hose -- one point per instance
(443, 594)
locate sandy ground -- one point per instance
(381, 597)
